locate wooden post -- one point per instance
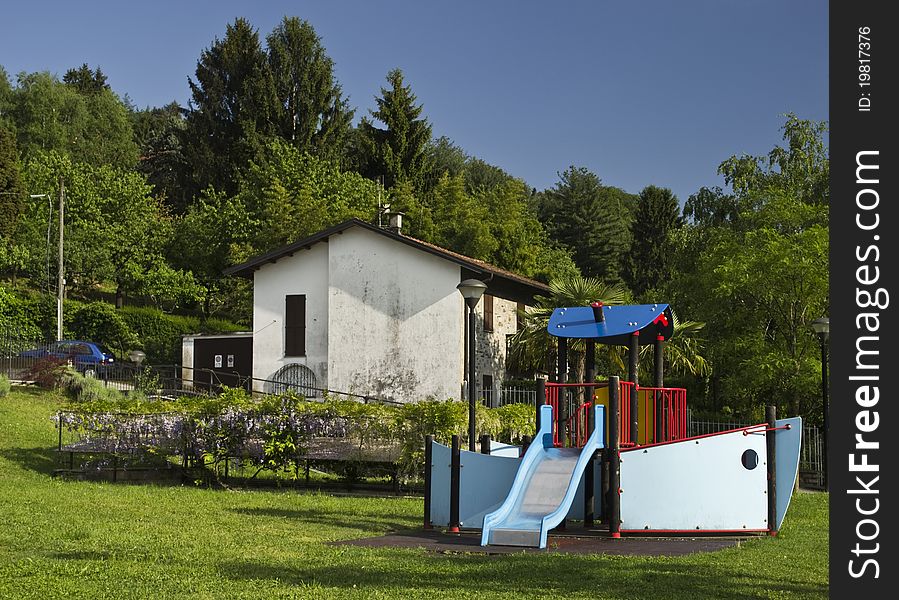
(614, 499)
(771, 414)
(455, 483)
(485, 443)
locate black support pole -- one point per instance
(633, 356)
(771, 414)
(455, 483)
(429, 460)
(525, 443)
(485, 443)
(826, 408)
(472, 378)
(589, 485)
(562, 377)
(614, 498)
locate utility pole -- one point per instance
(61, 280)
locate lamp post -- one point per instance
(822, 328)
(471, 290)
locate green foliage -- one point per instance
(12, 192)
(89, 390)
(93, 128)
(648, 265)
(85, 80)
(4, 386)
(753, 265)
(160, 333)
(291, 194)
(100, 322)
(233, 105)
(115, 229)
(312, 116)
(589, 220)
(26, 317)
(399, 152)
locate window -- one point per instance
(487, 390)
(295, 325)
(488, 312)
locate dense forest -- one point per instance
(159, 200)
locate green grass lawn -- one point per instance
(70, 539)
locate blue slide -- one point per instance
(544, 487)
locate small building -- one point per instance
(360, 309)
(209, 361)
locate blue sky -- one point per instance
(653, 92)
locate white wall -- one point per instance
(304, 273)
(395, 320)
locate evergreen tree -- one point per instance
(232, 109)
(649, 262)
(589, 220)
(312, 113)
(158, 133)
(86, 81)
(399, 152)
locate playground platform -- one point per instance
(572, 541)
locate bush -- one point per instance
(48, 372)
(160, 333)
(88, 389)
(102, 323)
(4, 386)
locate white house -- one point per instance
(361, 309)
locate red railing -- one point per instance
(661, 413)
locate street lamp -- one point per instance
(822, 328)
(471, 290)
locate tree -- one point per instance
(649, 261)
(400, 151)
(313, 116)
(86, 81)
(589, 220)
(290, 194)
(12, 192)
(115, 229)
(232, 109)
(753, 265)
(158, 133)
(49, 115)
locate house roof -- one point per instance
(502, 283)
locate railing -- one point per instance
(661, 412)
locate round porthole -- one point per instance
(750, 459)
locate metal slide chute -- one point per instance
(544, 487)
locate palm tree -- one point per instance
(532, 348)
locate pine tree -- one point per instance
(313, 116)
(232, 110)
(589, 220)
(649, 260)
(399, 152)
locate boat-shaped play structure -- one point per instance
(615, 455)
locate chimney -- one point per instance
(395, 222)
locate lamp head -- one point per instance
(822, 328)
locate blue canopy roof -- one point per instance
(619, 324)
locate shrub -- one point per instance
(4, 386)
(88, 389)
(100, 322)
(48, 372)
(160, 333)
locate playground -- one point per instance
(80, 539)
(617, 453)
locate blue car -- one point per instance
(87, 357)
